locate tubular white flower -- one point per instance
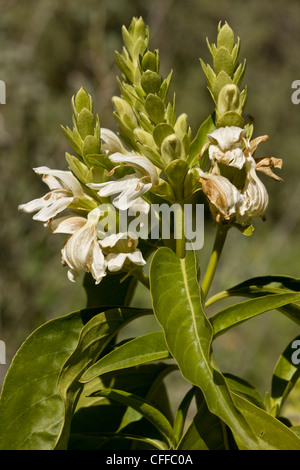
(131, 187)
(223, 195)
(226, 146)
(64, 189)
(111, 143)
(82, 251)
(67, 224)
(120, 249)
(141, 164)
(254, 191)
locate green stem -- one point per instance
(142, 277)
(215, 298)
(179, 224)
(214, 259)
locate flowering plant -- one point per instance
(73, 384)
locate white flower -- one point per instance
(131, 187)
(226, 146)
(64, 189)
(111, 142)
(82, 251)
(225, 198)
(255, 192)
(120, 249)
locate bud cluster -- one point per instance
(225, 77)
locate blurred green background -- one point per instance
(49, 49)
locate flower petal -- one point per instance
(111, 142)
(138, 162)
(68, 224)
(98, 266)
(58, 179)
(224, 196)
(226, 137)
(234, 157)
(254, 191)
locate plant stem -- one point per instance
(215, 298)
(179, 224)
(214, 259)
(142, 277)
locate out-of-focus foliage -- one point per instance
(49, 49)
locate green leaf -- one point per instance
(146, 348)
(172, 148)
(147, 410)
(199, 141)
(161, 131)
(286, 374)
(150, 82)
(205, 432)
(223, 61)
(95, 441)
(238, 313)
(155, 108)
(274, 435)
(226, 37)
(80, 170)
(94, 337)
(83, 100)
(266, 282)
(178, 308)
(91, 145)
(150, 61)
(94, 415)
(221, 80)
(85, 123)
(31, 407)
(181, 413)
(230, 118)
(71, 139)
(244, 388)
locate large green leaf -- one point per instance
(97, 417)
(285, 375)
(182, 412)
(143, 349)
(273, 434)
(95, 441)
(205, 432)
(178, 307)
(268, 282)
(31, 408)
(94, 337)
(238, 313)
(144, 408)
(245, 389)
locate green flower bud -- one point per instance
(150, 61)
(85, 123)
(83, 100)
(225, 37)
(172, 148)
(150, 82)
(228, 99)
